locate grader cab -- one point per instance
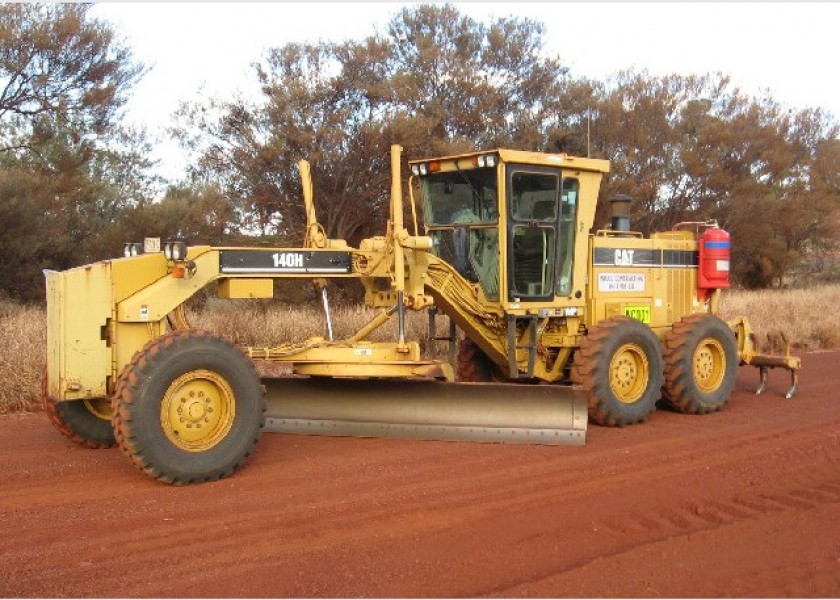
(558, 325)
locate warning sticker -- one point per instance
(621, 282)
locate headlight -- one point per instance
(415, 170)
(484, 160)
(424, 169)
(179, 251)
(175, 250)
(132, 249)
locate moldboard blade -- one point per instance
(430, 410)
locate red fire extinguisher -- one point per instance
(714, 255)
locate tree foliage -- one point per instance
(696, 148)
(57, 63)
(685, 147)
(74, 184)
(67, 167)
(436, 81)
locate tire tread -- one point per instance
(125, 397)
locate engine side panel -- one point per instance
(651, 279)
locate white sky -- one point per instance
(788, 48)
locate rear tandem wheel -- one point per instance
(188, 408)
(701, 359)
(620, 366)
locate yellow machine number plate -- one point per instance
(642, 313)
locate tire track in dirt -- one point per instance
(303, 529)
(690, 518)
(345, 518)
(643, 509)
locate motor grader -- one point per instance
(558, 325)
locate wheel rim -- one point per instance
(99, 407)
(629, 373)
(709, 365)
(198, 410)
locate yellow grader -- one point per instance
(558, 325)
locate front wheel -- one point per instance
(701, 359)
(84, 422)
(620, 366)
(188, 408)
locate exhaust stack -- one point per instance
(620, 212)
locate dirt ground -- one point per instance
(745, 502)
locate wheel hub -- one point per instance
(197, 410)
(709, 364)
(629, 372)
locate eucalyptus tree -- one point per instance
(694, 148)
(435, 81)
(685, 147)
(67, 166)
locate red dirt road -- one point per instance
(745, 502)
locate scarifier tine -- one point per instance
(749, 355)
(762, 377)
(429, 410)
(794, 384)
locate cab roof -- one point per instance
(529, 158)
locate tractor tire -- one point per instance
(188, 408)
(701, 361)
(84, 422)
(619, 364)
(472, 364)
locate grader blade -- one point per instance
(428, 410)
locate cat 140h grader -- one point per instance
(559, 325)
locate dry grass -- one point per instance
(260, 323)
(23, 356)
(806, 317)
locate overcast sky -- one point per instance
(197, 48)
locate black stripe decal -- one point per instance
(635, 257)
(255, 262)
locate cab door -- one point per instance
(532, 199)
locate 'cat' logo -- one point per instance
(624, 257)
